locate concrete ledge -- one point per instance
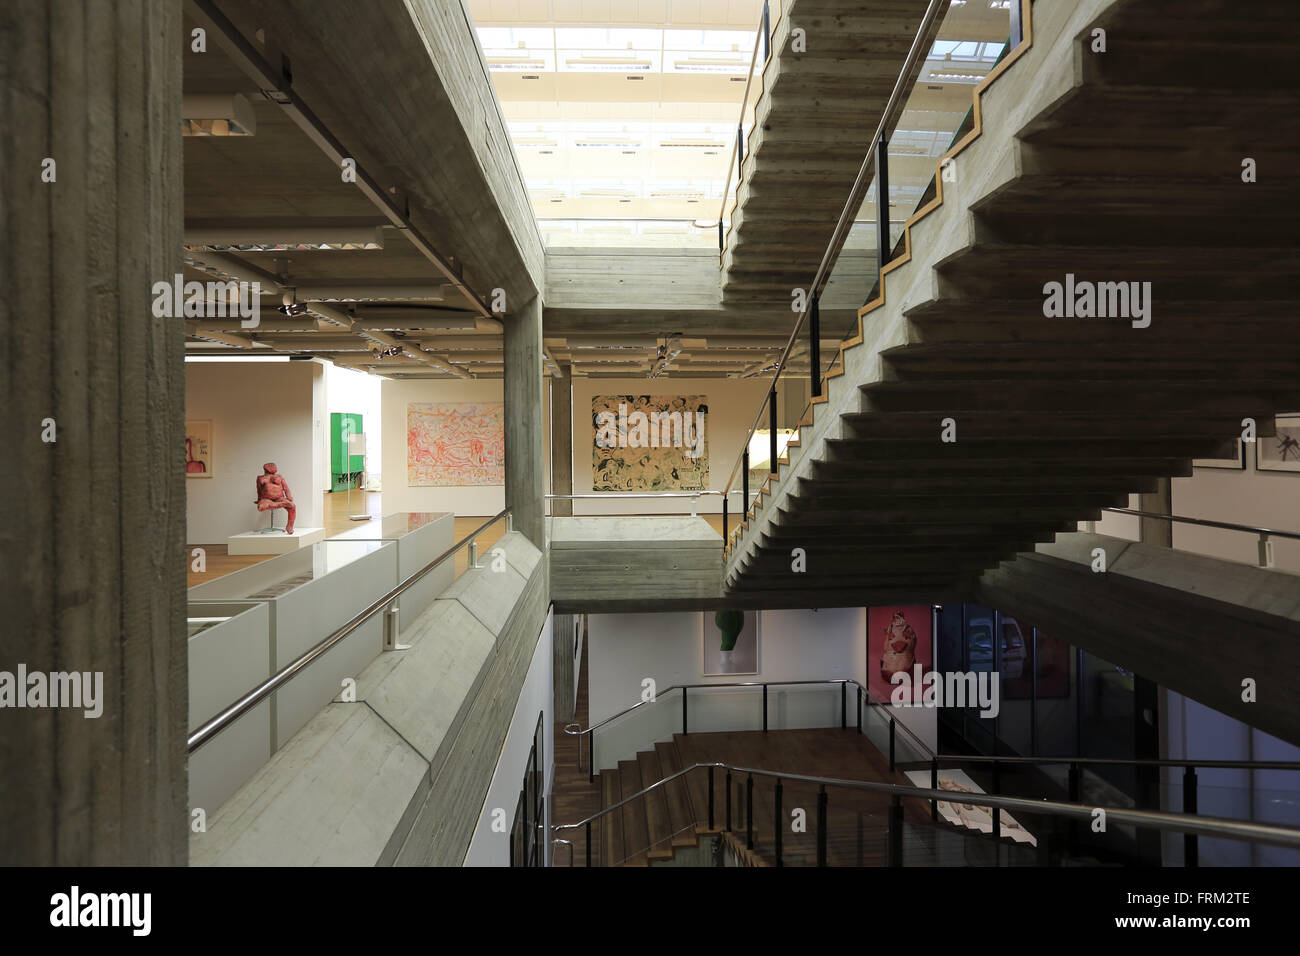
(255, 542)
(350, 786)
(1195, 624)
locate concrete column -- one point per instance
(563, 667)
(525, 459)
(95, 579)
(1153, 530)
(562, 441)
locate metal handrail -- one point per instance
(639, 494)
(1207, 522)
(862, 689)
(1153, 819)
(764, 24)
(1135, 762)
(845, 221)
(228, 715)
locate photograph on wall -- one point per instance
(730, 642)
(198, 449)
(1280, 452)
(898, 639)
(1232, 463)
(455, 444)
(649, 443)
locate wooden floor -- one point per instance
(335, 513)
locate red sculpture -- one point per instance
(273, 492)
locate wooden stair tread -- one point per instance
(636, 833)
(681, 814)
(658, 820)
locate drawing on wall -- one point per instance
(729, 640)
(455, 444)
(649, 443)
(198, 449)
(970, 815)
(1282, 451)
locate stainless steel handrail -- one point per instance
(227, 716)
(1135, 762)
(638, 494)
(862, 689)
(1153, 819)
(856, 195)
(1207, 522)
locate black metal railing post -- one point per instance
(764, 708)
(749, 812)
(771, 427)
(719, 235)
(725, 498)
(934, 785)
(859, 697)
(684, 730)
(744, 478)
(815, 347)
(1017, 27)
(882, 204)
(895, 831)
(591, 755)
(844, 707)
(821, 826)
(767, 32)
(710, 799)
(1073, 785)
(1191, 842)
(778, 830)
(589, 844)
(728, 789)
(740, 158)
(891, 744)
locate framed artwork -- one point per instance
(1282, 451)
(649, 443)
(455, 444)
(198, 449)
(1236, 463)
(898, 638)
(728, 642)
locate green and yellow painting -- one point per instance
(649, 443)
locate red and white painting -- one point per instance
(898, 639)
(455, 444)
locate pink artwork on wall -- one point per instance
(455, 444)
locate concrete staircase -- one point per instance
(1123, 166)
(812, 125)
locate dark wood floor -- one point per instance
(573, 797)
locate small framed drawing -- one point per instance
(729, 642)
(1282, 451)
(198, 449)
(1235, 462)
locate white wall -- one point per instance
(347, 390)
(732, 407)
(1261, 499)
(398, 496)
(260, 412)
(489, 848)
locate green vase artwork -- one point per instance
(730, 625)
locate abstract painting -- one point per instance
(455, 444)
(649, 443)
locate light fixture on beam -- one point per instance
(371, 292)
(217, 114)
(260, 237)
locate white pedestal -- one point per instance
(253, 542)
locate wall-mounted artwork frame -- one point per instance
(455, 444)
(1234, 463)
(1282, 451)
(198, 448)
(741, 659)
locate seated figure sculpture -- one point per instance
(273, 492)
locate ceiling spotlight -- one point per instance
(290, 306)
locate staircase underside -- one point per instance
(1116, 167)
